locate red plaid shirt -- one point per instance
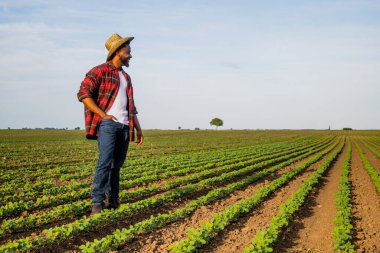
(102, 84)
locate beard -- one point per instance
(125, 61)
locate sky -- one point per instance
(253, 64)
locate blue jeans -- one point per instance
(113, 146)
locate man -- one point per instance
(110, 117)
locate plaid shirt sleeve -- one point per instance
(89, 88)
(90, 84)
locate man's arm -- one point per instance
(138, 130)
(91, 105)
(88, 86)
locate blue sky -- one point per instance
(254, 64)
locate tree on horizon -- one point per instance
(216, 122)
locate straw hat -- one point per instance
(114, 42)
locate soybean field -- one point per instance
(195, 191)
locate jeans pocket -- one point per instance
(107, 121)
(107, 126)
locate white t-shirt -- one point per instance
(119, 106)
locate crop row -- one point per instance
(119, 237)
(61, 233)
(216, 159)
(373, 173)
(265, 239)
(78, 208)
(44, 187)
(209, 229)
(342, 232)
(60, 154)
(14, 208)
(375, 152)
(375, 143)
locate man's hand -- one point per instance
(139, 137)
(92, 106)
(109, 117)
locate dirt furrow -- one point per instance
(171, 206)
(311, 230)
(159, 240)
(39, 229)
(365, 209)
(237, 236)
(374, 160)
(373, 145)
(74, 243)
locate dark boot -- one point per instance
(96, 208)
(113, 203)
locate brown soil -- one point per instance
(366, 208)
(60, 182)
(374, 160)
(240, 234)
(160, 239)
(112, 227)
(374, 146)
(74, 243)
(311, 230)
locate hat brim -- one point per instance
(117, 45)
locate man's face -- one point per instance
(125, 55)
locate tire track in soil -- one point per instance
(311, 229)
(365, 208)
(160, 239)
